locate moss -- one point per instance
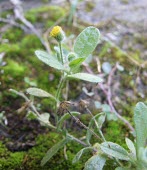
(115, 132)
(44, 13)
(9, 160)
(43, 143)
(14, 69)
(10, 48)
(13, 35)
(29, 44)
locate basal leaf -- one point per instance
(86, 77)
(140, 120)
(96, 162)
(114, 150)
(99, 118)
(52, 151)
(131, 146)
(49, 60)
(86, 41)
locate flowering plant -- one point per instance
(68, 64)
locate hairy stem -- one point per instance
(60, 46)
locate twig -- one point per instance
(108, 94)
(12, 22)
(82, 124)
(18, 11)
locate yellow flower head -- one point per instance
(57, 33)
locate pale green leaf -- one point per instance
(140, 120)
(86, 77)
(114, 150)
(49, 60)
(86, 41)
(39, 93)
(80, 153)
(99, 118)
(44, 117)
(74, 64)
(65, 117)
(96, 162)
(52, 151)
(123, 168)
(131, 146)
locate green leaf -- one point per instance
(96, 162)
(86, 41)
(80, 153)
(131, 146)
(65, 117)
(39, 93)
(49, 60)
(140, 120)
(99, 118)
(86, 77)
(44, 117)
(114, 150)
(74, 64)
(52, 151)
(123, 168)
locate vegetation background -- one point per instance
(123, 27)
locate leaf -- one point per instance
(52, 151)
(96, 162)
(131, 146)
(86, 77)
(80, 153)
(122, 168)
(74, 64)
(39, 93)
(49, 60)
(140, 120)
(44, 117)
(66, 116)
(86, 41)
(99, 118)
(114, 150)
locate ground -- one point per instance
(123, 39)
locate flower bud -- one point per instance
(57, 33)
(71, 56)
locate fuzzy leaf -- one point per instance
(114, 150)
(86, 41)
(86, 77)
(52, 151)
(74, 64)
(44, 117)
(96, 162)
(140, 120)
(65, 117)
(122, 168)
(39, 93)
(99, 118)
(49, 60)
(80, 153)
(131, 146)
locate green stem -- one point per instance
(61, 52)
(60, 87)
